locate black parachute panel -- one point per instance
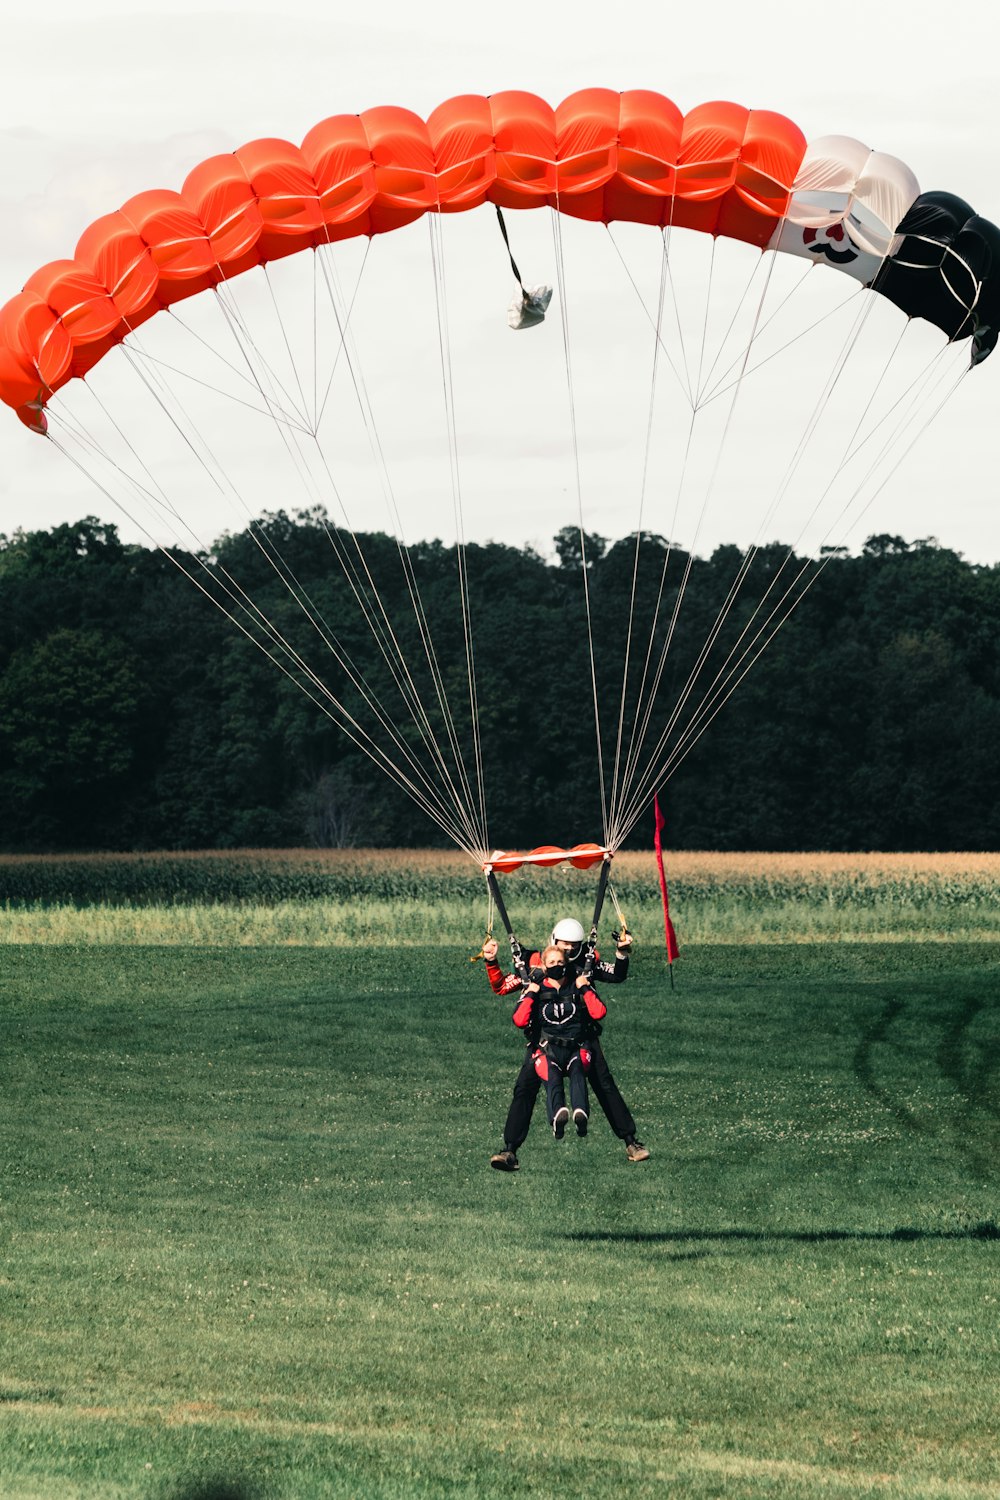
(947, 270)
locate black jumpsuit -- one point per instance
(606, 1092)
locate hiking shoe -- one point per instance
(636, 1151)
(505, 1161)
(559, 1122)
(580, 1121)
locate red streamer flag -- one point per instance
(673, 951)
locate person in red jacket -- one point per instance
(561, 1010)
(569, 936)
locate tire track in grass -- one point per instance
(971, 1083)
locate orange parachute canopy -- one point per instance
(581, 857)
(599, 155)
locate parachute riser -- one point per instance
(590, 950)
(516, 951)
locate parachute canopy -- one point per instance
(186, 356)
(723, 169)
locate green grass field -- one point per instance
(253, 1247)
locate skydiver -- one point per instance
(561, 1010)
(569, 936)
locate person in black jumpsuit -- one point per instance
(562, 1012)
(527, 1084)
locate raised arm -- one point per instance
(500, 983)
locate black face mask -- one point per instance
(556, 971)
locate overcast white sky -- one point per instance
(99, 104)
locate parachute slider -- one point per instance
(581, 857)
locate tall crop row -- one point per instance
(358, 878)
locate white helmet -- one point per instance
(569, 931)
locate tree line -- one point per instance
(135, 715)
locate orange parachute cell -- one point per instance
(80, 301)
(222, 196)
(461, 138)
(288, 200)
(177, 242)
(524, 142)
(340, 160)
(118, 257)
(599, 155)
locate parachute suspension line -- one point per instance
(713, 392)
(657, 348)
(155, 362)
(646, 713)
(666, 235)
(747, 563)
(242, 601)
(315, 348)
(635, 741)
(623, 924)
(288, 348)
(818, 412)
(563, 313)
(333, 644)
(760, 326)
(154, 496)
(721, 388)
(411, 697)
(346, 723)
(336, 297)
(298, 462)
(435, 225)
(719, 695)
(704, 323)
(296, 420)
(697, 727)
(635, 738)
(207, 460)
(385, 638)
(656, 323)
(709, 642)
(462, 799)
(275, 396)
(911, 394)
(646, 781)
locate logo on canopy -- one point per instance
(831, 242)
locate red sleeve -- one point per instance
(522, 1015)
(501, 983)
(596, 1008)
(496, 977)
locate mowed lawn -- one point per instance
(252, 1245)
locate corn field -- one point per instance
(343, 897)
